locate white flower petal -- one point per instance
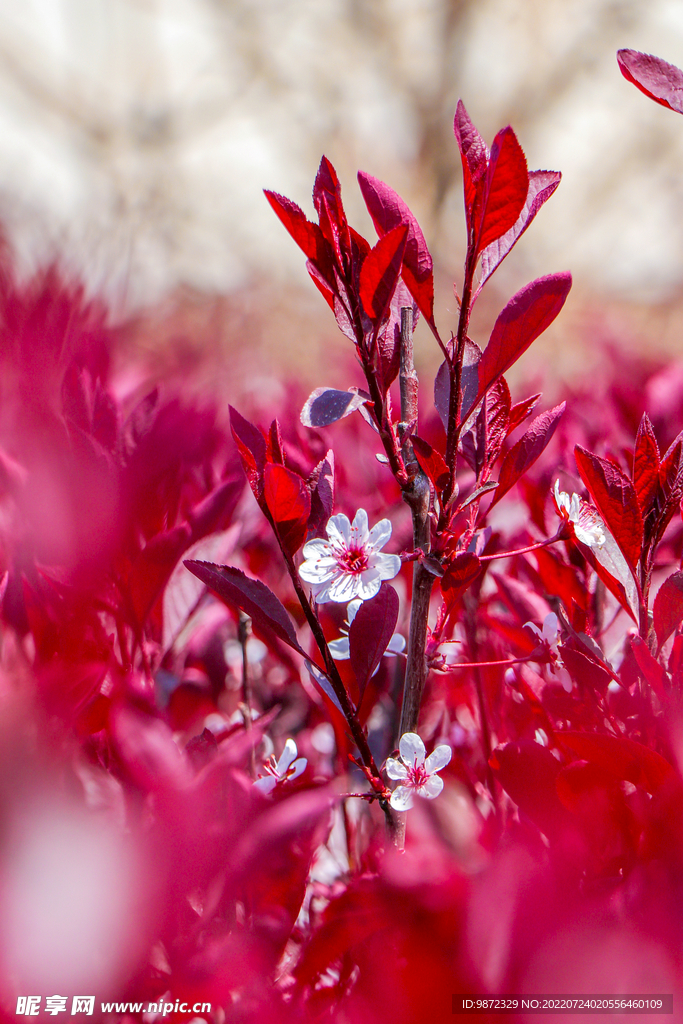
(431, 788)
(344, 588)
(395, 769)
(402, 798)
(534, 628)
(339, 649)
(316, 548)
(286, 757)
(380, 534)
(396, 645)
(550, 628)
(439, 758)
(367, 584)
(297, 768)
(388, 566)
(352, 610)
(319, 571)
(359, 528)
(339, 530)
(412, 749)
(266, 784)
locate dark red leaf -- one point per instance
(616, 501)
(388, 210)
(622, 757)
(662, 82)
(459, 575)
(370, 632)
(431, 462)
(327, 405)
(380, 272)
(645, 464)
(524, 453)
(492, 423)
(328, 292)
(560, 579)
(668, 607)
(289, 501)
(542, 184)
(505, 189)
(152, 568)
(251, 596)
(526, 316)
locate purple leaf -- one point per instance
(668, 607)
(526, 316)
(251, 596)
(388, 210)
(469, 383)
(662, 82)
(524, 453)
(431, 462)
(475, 158)
(370, 632)
(327, 405)
(542, 184)
(251, 445)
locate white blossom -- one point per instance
(288, 768)
(349, 564)
(588, 527)
(415, 773)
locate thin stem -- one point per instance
(522, 551)
(243, 632)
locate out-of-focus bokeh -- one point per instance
(136, 137)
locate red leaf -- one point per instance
(327, 405)
(668, 607)
(388, 210)
(322, 494)
(542, 184)
(524, 453)
(585, 670)
(560, 579)
(505, 190)
(527, 772)
(662, 82)
(616, 501)
(621, 757)
(646, 464)
(251, 596)
(520, 411)
(459, 575)
(307, 235)
(328, 203)
(650, 669)
(289, 501)
(526, 316)
(370, 632)
(431, 462)
(251, 445)
(380, 272)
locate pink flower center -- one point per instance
(417, 775)
(353, 560)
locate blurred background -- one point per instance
(136, 137)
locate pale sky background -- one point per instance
(136, 135)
